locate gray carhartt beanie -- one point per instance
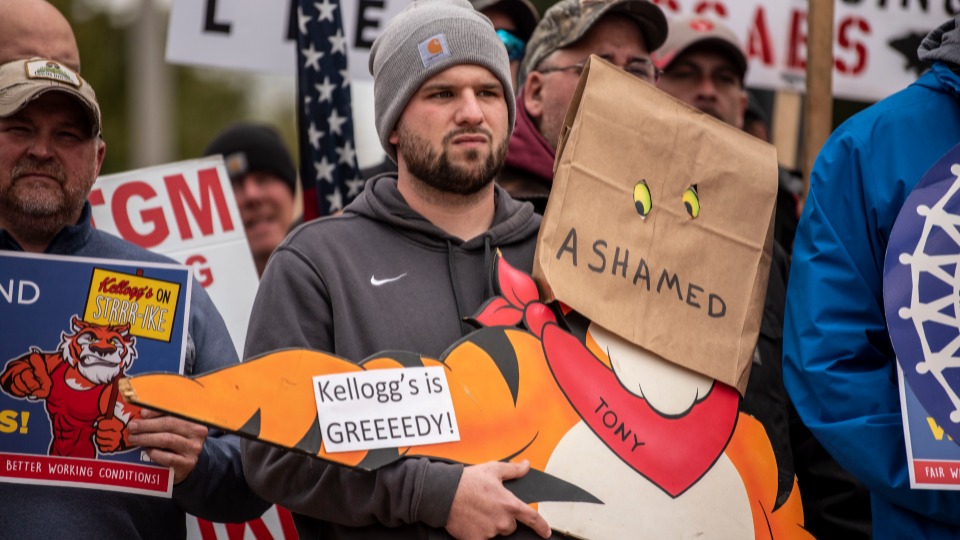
(427, 37)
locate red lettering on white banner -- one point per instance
(845, 30)
(201, 210)
(714, 8)
(201, 270)
(758, 40)
(207, 206)
(797, 47)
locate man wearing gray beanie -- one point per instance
(400, 269)
(623, 32)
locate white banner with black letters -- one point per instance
(875, 41)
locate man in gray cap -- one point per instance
(399, 270)
(623, 32)
(51, 151)
(703, 65)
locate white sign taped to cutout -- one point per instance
(385, 408)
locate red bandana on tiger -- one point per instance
(672, 452)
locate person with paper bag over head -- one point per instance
(646, 240)
(623, 32)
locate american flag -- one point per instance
(328, 159)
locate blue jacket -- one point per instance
(839, 366)
(215, 489)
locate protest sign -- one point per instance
(920, 301)
(385, 409)
(187, 211)
(875, 42)
(932, 455)
(646, 231)
(72, 327)
(262, 36)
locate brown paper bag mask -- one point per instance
(659, 224)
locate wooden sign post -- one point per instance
(818, 104)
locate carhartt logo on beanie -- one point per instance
(433, 50)
(427, 37)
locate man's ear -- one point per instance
(744, 100)
(533, 94)
(394, 139)
(101, 153)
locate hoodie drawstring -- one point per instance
(464, 327)
(488, 270)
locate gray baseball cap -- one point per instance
(569, 20)
(22, 81)
(686, 32)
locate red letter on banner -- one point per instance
(758, 41)
(798, 39)
(201, 210)
(717, 7)
(843, 40)
(201, 270)
(154, 216)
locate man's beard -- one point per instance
(443, 175)
(37, 214)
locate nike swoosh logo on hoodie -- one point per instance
(378, 282)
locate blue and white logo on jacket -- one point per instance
(921, 291)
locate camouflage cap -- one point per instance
(522, 12)
(569, 20)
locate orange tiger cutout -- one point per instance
(527, 395)
(78, 383)
(271, 398)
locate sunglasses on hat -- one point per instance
(515, 46)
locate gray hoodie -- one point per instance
(379, 277)
(942, 44)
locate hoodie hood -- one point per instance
(381, 201)
(942, 44)
(514, 229)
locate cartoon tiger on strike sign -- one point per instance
(79, 384)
